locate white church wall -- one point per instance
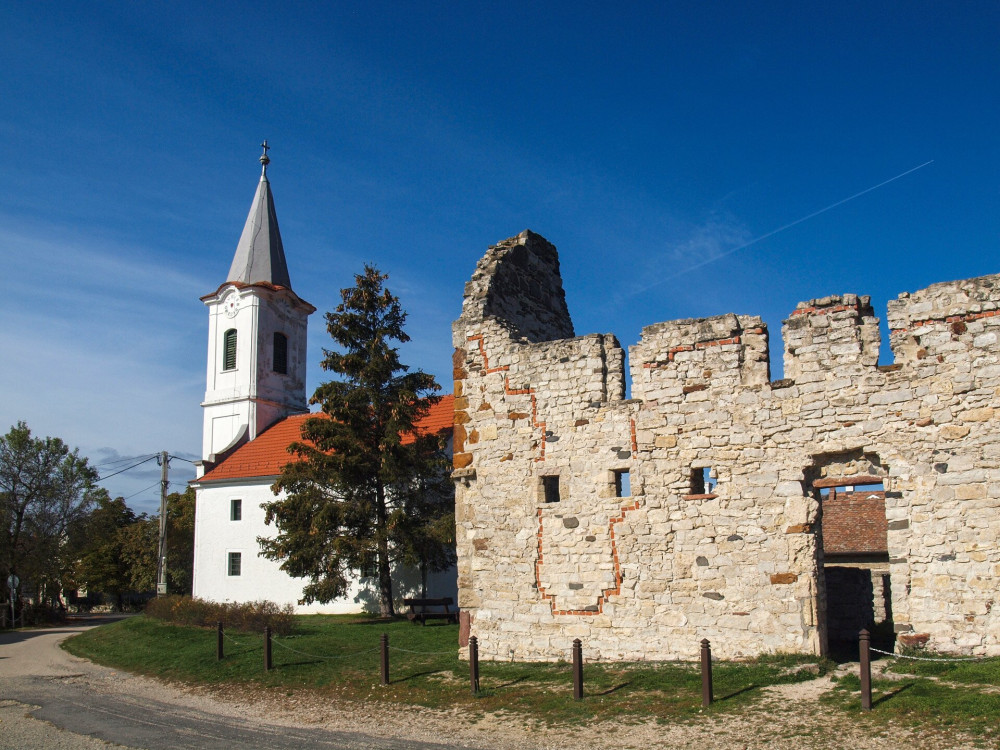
(217, 535)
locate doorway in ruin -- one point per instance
(852, 551)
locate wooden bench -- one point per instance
(423, 609)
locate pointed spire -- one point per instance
(260, 256)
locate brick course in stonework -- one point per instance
(549, 551)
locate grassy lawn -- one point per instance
(338, 657)
(930, 696)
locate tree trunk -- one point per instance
(382, 540)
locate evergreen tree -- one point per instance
(367, 491)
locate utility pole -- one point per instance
(161, 558)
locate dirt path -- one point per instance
(89, 700)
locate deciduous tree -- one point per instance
(97, 544)
(44, 489)
(367, 490)
(139, 545)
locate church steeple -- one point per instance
(256, 372)
(260, 256)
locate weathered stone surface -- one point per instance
(719, 531)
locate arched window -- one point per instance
(281, 353)
(229, 350)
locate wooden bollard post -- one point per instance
(267, 648)
(864, 654)
(706, 673)
(474, 664)
(577, 669)
(385, 658)
(218, 641)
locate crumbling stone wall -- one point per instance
(739, 560)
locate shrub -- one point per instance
(40, 613)
(246, 616)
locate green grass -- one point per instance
(931, 697)
(537, 692)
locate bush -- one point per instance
(248, 616)
(41, 613)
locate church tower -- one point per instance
(256, 337)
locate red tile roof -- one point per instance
(268, 454)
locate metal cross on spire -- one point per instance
(264, 159)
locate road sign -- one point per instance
(13, 581)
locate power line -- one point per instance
(144, 489)
(182, 459)
(120, 461)
(127, 468)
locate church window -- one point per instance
(229, 350)
(235, 510)
(281, 353)
(235, 563)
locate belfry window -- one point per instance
(229, 350)
(280, 354)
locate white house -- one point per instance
(254, 407)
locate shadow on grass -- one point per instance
(509, 683)
(614, 689)
(733, 694)
(891, 694)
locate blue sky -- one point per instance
(647, 142)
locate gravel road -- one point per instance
(52, 700)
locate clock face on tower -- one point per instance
(231, 304)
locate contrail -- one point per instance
(773, 232)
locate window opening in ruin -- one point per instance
(826, 492)
(852, 550)
(550, 489)
(703, 480)
(623, 483)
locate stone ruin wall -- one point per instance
(646, 576)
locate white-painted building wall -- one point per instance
(217, 535)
